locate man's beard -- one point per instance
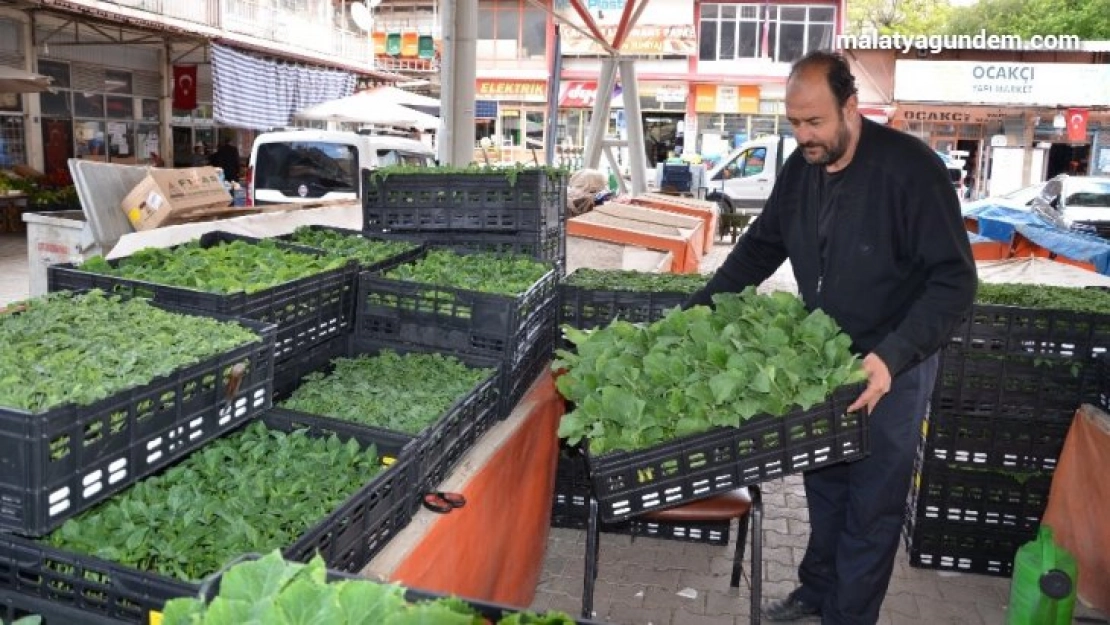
(830, 153)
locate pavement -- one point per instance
(664, 582)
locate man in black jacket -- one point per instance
(872, 227)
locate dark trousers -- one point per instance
(856, 509)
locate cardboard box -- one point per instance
(166, 194)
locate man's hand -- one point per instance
(878, 383)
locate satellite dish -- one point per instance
(362, 17)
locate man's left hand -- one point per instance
(878, 384)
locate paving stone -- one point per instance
(683, 617)
(633, 615)
(991, 614)
(636, 574)
(719, 603)
(953, 612)
(903, 603)
(668, 599)
(779, 525)
(779, 572)
(704, 580)
(796, 527)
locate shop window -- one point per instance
(56, 103)
(117, 82)
(88, 105)
(150, 110)
(13, 144)
(120, 107)
(511, 29)
(747, 31)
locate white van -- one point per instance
(742, 181)
(309, 165)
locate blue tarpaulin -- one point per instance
(999, 223)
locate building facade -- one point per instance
(120, 68)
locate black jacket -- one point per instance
(898, 274)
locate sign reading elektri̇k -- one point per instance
(986, 82)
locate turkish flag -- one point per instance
(1077, 125)
(185, 87)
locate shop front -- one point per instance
(729, 114)
(1013, 123)
(511, 113)
(662, 111)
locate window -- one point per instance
(12, 141)
(511, 29)
(1088, 193)
(748, 31)
(400, 157)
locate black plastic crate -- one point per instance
(1017, 330)
(547, 245)
(1013, 386)
(382, 265)
(570, 510)
(991, 442)
(56, 464)
(984, 498)
(306, 311)
(288, 374)
(486, 202)
(347, 539)
(586, 309)
(952, 547)
(452, 320)
(702, 465)
(437, 449)
(531, 358)
(15, 606)
(361, 526)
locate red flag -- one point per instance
(185, 87)
(1077, 125)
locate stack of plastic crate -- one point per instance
(1008, 386)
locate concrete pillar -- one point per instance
(637, 157)
(445, 138)
(462, 105)
(599, 120)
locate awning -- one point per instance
(259, 93)
(14, 80)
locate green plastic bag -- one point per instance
(1042, 591)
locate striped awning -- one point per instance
(259, 93)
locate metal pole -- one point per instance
(599, 119)
(445, 137)
(466, 41)
(553, 102)
(637, 157)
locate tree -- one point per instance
(907, 17)
(1087, 19)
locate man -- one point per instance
(872, 227)
(227, 159)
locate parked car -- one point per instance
(1080, 203)
(310, 165)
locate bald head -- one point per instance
(821, 105)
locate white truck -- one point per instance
(742, 181)
(307, 165)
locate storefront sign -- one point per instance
(646, 40)
(987, 82)
(726, 98)
(520, 90)
(583, 94)
(671, 93)
(949, 114)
